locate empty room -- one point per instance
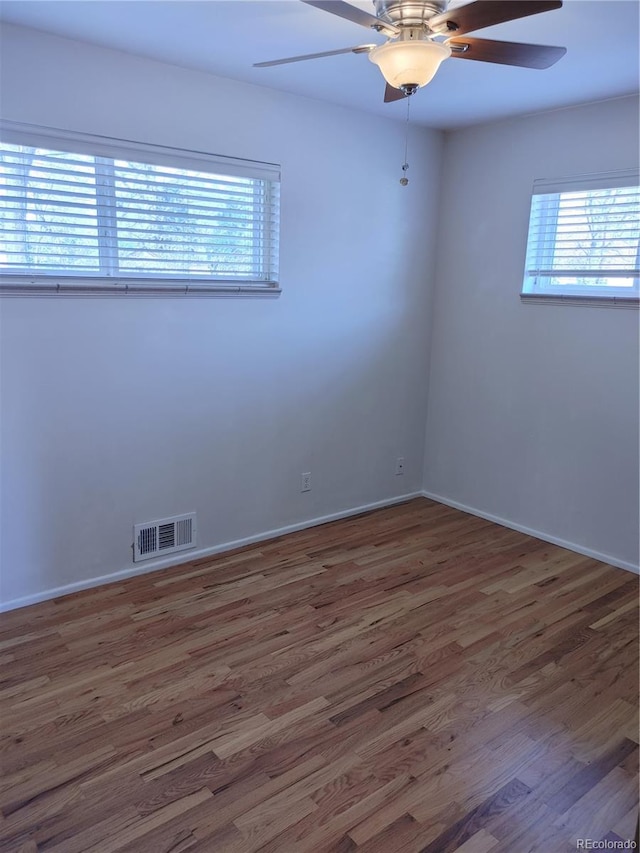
(319, 426)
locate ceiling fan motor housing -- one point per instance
(408, 13)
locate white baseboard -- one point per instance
(190, 556)
(537, 534)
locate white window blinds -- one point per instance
(584, 237)
(77, 209)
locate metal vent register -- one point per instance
(165, 536)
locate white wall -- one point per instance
(533, 409)
(116, 411)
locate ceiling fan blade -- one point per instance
(354, 14)
(363, 48)
(392, 94)
(506, 52)
(486, 13)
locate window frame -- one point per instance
(267, 179)
(533, 286)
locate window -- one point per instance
(584, 239)
(81, 213)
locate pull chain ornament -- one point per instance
(404, 180)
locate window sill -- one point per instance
(72, 286)
(575, 299)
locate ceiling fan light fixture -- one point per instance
(409, 63)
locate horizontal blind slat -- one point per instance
(59, 177)
(44, 187)
(583, 240)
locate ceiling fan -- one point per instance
(422, 33)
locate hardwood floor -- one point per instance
(415, 679)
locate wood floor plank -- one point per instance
(412, 680)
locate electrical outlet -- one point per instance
(305, 485)
(399, 466)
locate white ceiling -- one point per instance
(225, 37)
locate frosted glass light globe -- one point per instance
(409, 63)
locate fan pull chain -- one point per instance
(404, 180)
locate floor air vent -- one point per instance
(166, 536)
